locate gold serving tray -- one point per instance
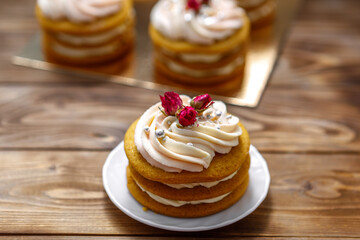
(137, 68)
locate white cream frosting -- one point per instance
(178, 203)
(216, 21)
(204, 184)
(224, 70)
(194, 57)
(86, 52)
(96, 39)
(79, 11)
(197, 57)
(189, 148)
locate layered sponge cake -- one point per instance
(199, 42)
(187, 159)
(84, 32)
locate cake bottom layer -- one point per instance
(192, 193)
(56, 52)
(187, 210)
(185, 75)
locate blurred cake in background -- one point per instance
(260, 12)
(199, 42)
(83, 32)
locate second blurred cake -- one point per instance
(85, 32)
(199, 42)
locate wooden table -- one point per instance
(56, 132)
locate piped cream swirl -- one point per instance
(216, 21)
(189, 148)
(78, 11)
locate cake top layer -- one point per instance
(79, 11)
(174, 136)
(197, 21)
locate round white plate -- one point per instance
(114, 179)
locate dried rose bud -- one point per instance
(194, 4)
(187, 116)
(171, 102)
(201, 102)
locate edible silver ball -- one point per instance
(160, 133)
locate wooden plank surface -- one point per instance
(61, 192)
(40, 237)
(56, 131)
(96, 117)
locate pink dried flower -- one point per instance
(171, 102)
(201, 102)
(187, 116)
(194, 4)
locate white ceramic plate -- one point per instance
(114, 180)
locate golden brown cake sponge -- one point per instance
(237, 74)
(124, 45)
(221, 166)
(187, 210)
(100, 25)
(196, 193)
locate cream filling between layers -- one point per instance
(193, 57)
(98, 38)
(204, 184)
(177, 203)
(88, 52)
(225, 70)
(197, 57)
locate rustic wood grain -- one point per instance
(96, 117)
(56, 131)
(61, 192)
(40, 237)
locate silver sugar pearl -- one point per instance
(169, 122)
(218, 113)
(190, 144)
(169, 129)
(188, 17)
(164, 139)
(146, 129)
(228, 116)
(160, 133)
(218, 127)
(208, 116)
